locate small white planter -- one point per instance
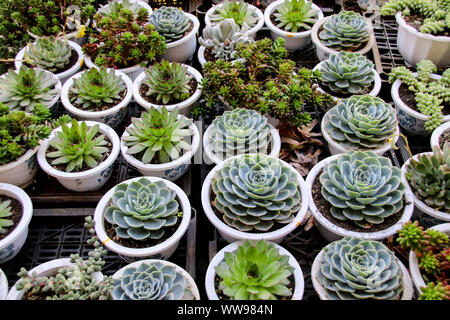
(142, 4)
(3, 285)
(323, 52)
(62, 76)
(250, 33)
(111, 117)
(201, 55)
(132, 72)
(89, 180)
(332, 232)
(415, 46)
(294, 40)
(73, 35)
(434, 141)
(170, 170)
(13, 242)
(210, 279)
(230, 234)
(21, 172)
(420, 206)
(191, 283)
(184, 107)
(161, 251)
(407, 283)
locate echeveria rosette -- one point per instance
(356, 269)
(255, 191)
(170, 22)
(362, 187)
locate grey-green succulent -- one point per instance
(356, 269)
(115, 9)
(295, 15)
(170, 22)
(49, 53)
(239, 11)
(5, 214)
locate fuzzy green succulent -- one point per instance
(239, 11)
(170, 22)
(295, 15)
(5, 213)
(49, 53)
(256, 271)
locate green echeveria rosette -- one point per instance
(355, 269)
(170, 22)
(49, 53)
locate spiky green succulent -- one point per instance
(77, 146)
(27, 87)
(347, 73)
(295, 15)
(361, 122)
(354, 269)
(253, 192)
(170, 22)
(345, 31)
(239, 11)
(152, 281)
(142, 209)
(5, 214)
(49, 53)
(256, 271)
(158, 135)
(362, 187)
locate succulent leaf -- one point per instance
(239, 11)
(170, 22)
(295, 15)
(49, 53)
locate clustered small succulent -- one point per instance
(170, 22)
(5, 214)
(239, 11)
(295, 15)
(49, 53)
(115, 10)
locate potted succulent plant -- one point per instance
(169, 84)
(154, 279)
(440, 136)
(143, 217)
(359, 269)
(180, 29)
(80, 155)
(358, 194)
(233, 205)
(361, 122)
(157, 143)
(420, 98)
(254, 271)
(100, 95)
(3, 285)
(113, 9)
(292, 20)
(240, 131)
(422, 30)
(345, 31)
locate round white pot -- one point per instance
(184, 107)
(294, 40)
(111, 117)
(410, 120)
(46, 269)
(170, 170)
(434, 141)
(191, 283)
(21, 172)
(89, 180)
(250, 33)
(3, 285)
(415, 46)
(161, 251)
(62, 76)
(332, 232)
(407, 283)
(323, 52)
(13, 242)
(201, 55)
(132, 72)
(210, 279)
(420, 206)
(230, 234)
(142, 4)
(73, 36)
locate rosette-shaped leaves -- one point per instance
(361, 122)
(49, 53)
(295, 15)
(362, 187)
(354, 269)
(170, 22)
(5, 214)
(255, 191)
(239, 11)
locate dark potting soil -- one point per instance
(17, 211)
(209, 55)
(73, 59)
(408, 97)
(416, 21)
(274, 21)
(445, 134)
(103, 107)
(152, 99)
(345, 95)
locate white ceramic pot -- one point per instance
(332, 232)
(172, 170)
(190, 282)
(21, 172)
(102, 8)
(111, 117)
(88, 180)
(3, 285)
(294, 40)
(62, 76)
(230, 234)
(415, 46)
(132, 72)
(434, 141)
(407, 283)
(250, 33)
(73, 35)
(14, 241)
(161, 251)
(46, 269)
(323, 52)
(201, 55)
(184, 107)
(210, 279)
(420, 206)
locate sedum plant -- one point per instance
(362, 188)
(295, 15)
(142, 209)
(362, 122)
(356, 269)
(5, 213)
(434, 291)
(152, 281)
(170, 22)
(256, 271)
(253, 192)
(49, 53)
(239, 11)
(115, 9)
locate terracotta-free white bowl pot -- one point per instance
(3, 285)
(132, 72)
(434, 141)
(22, 171)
